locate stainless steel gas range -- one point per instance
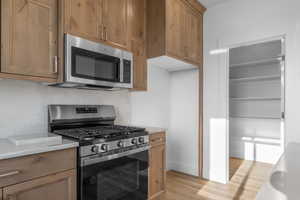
(112, 159)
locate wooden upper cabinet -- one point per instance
(60, 186)
(194, 34)
(84, 18)
(137, 18)
(103, 21)
(174, 29)
(29, 35)
(115, 23)
(137, 25)
(118, 23)
(140, 65)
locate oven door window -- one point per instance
(123, 178)
(91, 65)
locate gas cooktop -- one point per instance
(101, 133)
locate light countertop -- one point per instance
(149, 129)
(9, 150)
(283, 184)
(153, 130)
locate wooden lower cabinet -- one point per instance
(157, 170)
(61, 186)
(44, 176)
(21, 169)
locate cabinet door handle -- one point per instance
(101, 32)
(55, 64)
(105, 33)
(12, 173)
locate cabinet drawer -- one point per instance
(20, 169)
(59, 186)
(157, 138)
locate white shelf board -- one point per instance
(256, 78)
(255, 117)
(259, 62)
(256, 99)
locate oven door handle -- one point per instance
(95, 159)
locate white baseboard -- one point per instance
(184, 168)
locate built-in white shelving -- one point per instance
(256, 103)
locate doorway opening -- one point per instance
(256, 75)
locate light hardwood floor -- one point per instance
(246, 179)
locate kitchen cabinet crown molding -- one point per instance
(197, 5)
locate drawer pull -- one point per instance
(9, 174)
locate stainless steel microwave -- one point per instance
(94, 65)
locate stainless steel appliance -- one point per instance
(112, 159)
(94, 65)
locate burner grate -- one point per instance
(98, 132)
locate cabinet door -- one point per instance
(0, 193)
(115, 22)
(157, 171)
(83, 18)
(193, 49)
(60, 186)
(137, 19)
(139, 65)
(175, 34)
(29, 37)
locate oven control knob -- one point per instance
(104, 147)
(120, 144)
(95, 149)
(134, 141)
(141, 140)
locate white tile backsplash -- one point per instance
(23, 104)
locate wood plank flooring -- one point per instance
(246, 179)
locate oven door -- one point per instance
(95, 64)
(123, 178)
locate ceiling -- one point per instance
(211, 3)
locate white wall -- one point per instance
(171, 102)
(182, 138)
(236, 22)
(23, 105)
(151, 108)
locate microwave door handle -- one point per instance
(55, 65)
